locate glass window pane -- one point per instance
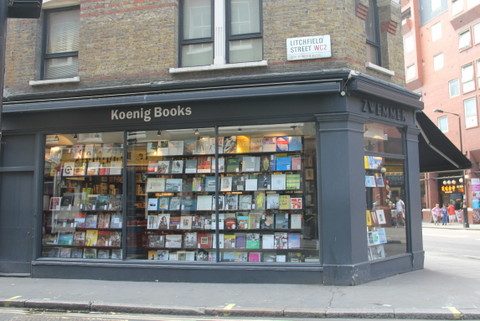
(245, 50)
(457, 7)
(464, 40)
(63, 31)
(382, 139)
(454, 88)
(56, 68)
(268, 194)
(83, 185)
(476, 34)
(372, 54)
(245, 16)
(438, 62)
(197, 55)
(170, 213)
(386, 213)
(443, 123)
(371, 22)
(470, 107)
(436, 31)
(197, 19)
(411, 72)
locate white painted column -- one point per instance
(219, 33)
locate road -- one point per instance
(451, 267)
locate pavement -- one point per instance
(447, 289)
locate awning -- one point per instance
(436, 151)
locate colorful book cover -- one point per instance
(156, 241)
(79, 238)
(281, 221)
(191, 166)
(229, 241)
(186, 222)
(296, 163)
(103, 220)
(152, 204)
(278, 182)
(65, 239)
(197, 184)
(253, 241)
(240, 241)
(284, 202)
(260, 200)
(269, 144)
(90, 254)
(230, 222)
(294, 143)
(273, 201)
(198, 222)
(283, 163)
(296, 221)
(282, 144)
(188, 204)
(267, 221)
(264, 182)
(268, 241)
(92, 168)
(77, 151)
(256, 144)
(152, 149)
(210, 183)
(190, 240)
(370, 181)
(238, 183)
(68, 169)
(175, 222)
(163, 203)
(368, 218)
(173, 185)
(226, 183)
(91, 221)
(163, 167)
(88, 152)
(265, 163)
(242, 221)
(91, 237)
(293, 182)
(175, 147)
(153, 222)
(103, 238)
(190, 146)
(204, 164)
(177, 166)
(231, 202)
(152, 167)
(243, 144)
(204, 240)
(233, 165)
(296, 203)
(80, 168)
(173, 241)
(281, 240)
(163, 221)
(245, 202)
(175, 203)
(294, 240)
(115, 238)
(80, 219)
(155, 184)
(254, 220)
(230, 145)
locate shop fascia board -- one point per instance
(177, 97)
(368, 86)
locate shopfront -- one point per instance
(276, 181)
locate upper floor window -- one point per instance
(476, 34)
(442, 123)
(436, 31)
(373, 34)
(430, 9)
(411, 72)
(472, 3)
(478, 73)
(61, 31)
(235, 35)
(464, 40)
(470, 106)
(457, 7)
(453, 88)
(468, 82)
(408, 43)
(438, 61)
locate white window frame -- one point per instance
(408, 43)
(436, 31)
(457, 7)
(468, 78)
(478, 73)
(438, 61)
(453, 81)
(442, 123)
(476, 34)
(462, 39)
(471, 116)
(409, 75)
(472, 3)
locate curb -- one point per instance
(334, 313)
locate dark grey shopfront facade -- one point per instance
(338, 103)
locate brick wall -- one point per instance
(127, 42)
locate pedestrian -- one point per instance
(436, 214)
(459, 210)
(400, 210)
(444, 215)
(451, 212)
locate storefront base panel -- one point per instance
(395, 265)
(13, 267)
(346, 274)
(177, 273)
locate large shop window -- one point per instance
(233, 194)
(386, 208)
(83, 189)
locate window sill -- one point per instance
(54, 81)
(382, 70)
(262, 63)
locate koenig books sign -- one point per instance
(312, 47)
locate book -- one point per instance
(80, 168)
(281, 221)
(186, 222)
(230, 222)
(267, 221)
(221, 221)
(242, 221)
(245, 202)
(221, 165)
(197, 184)
(264, 182)
(103, 220)
(163, 203)
(372, 162)
(91, 221)
(268, 241)
(256, 144)
(238, 183)
(370, 181)
(240, 240)
(229, 241)
(284, 202)
(273, 201)
(155, 184)
(253, 241)
(250, 164)
(205, 145)
(251, 184)
(269, 144)
(379, 180)
(190, 240)
(152, 204)
(188, 204)
(191, 166)
(116, 168)
(152, 167)
(175, 203)
(294, 240)
(65, 239)
(91, 237)
(382, 236)
(175, 147)
(281, 240)
(103, 238)
(254, 256)
(230, 145)
(115, 238)
(116, 221)
(152, 149)
(210, 183)
(293, 181)
(173, 185)
(204, 164)
(77, 151)
(295, 257)
(243, 144)
(294, 143)
(173, 241)
(55, 202)
(259, 200)
(204, 202)
(88, 152)
(92, 168)
(376, 252)
(90, 254)
(204, 240)
(265, 163)
(103, 202)
(175, 222)
(177, 166)
(116, 254)
(163, 221)
(282, 144)
(197, 222)
(163, 167)
(381, 216)
(231, 202)
(76, 253)
(155, 240)
(153, 222)
(254, 220)
(221, 202)
(189, 146)
(296, 203)
(278, 182)
(226, 184)
(283, 163)
(79, 238)
(296, 221)
(233, 165)
(296, 163)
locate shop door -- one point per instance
(16, 222)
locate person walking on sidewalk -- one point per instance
(436, 213)
(459, 210)
(451, 212)
(444, 215)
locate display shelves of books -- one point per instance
(375, 214)
(83, 196)
(260, 212)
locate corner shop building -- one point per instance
(359, 139)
